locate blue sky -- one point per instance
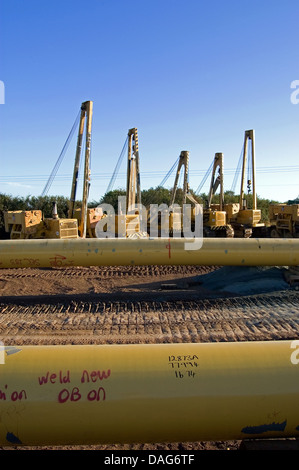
(190, 75)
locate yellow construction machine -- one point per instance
(176, 216)
(215, 216)
(31, 224)
(246, 221)
(80, 222)
(170, 220)
(284, 220)
(127, 222)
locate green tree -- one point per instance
(156, 195)
(293, 201)
(112, 198)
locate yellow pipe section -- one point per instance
(162, 251)
(84, 395)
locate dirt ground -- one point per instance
(150, 304)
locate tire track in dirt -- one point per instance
(250, 318)
(104, 271)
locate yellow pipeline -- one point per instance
(174, 251)
(59, 395)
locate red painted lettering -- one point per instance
(44, 379)
(65, 395)
(57, 260)
(94, 375)
(75, 396)
(97, 395)
(168, 246)
(63, 379)
(60, 260)
(18, 395)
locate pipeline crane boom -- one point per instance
(249, 136)
(127, 223)
(215, 221)
(247, 221)
(175, 216)
(217, 181)
(183, 161)
(134, 215)
(87, 218)
(133, 170)
(86, 114)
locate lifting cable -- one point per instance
(117, 166)
(204, 179)
(169, 173)
(237, 172)
(61, 156)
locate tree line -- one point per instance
(158, 195)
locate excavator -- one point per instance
(246, 222)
